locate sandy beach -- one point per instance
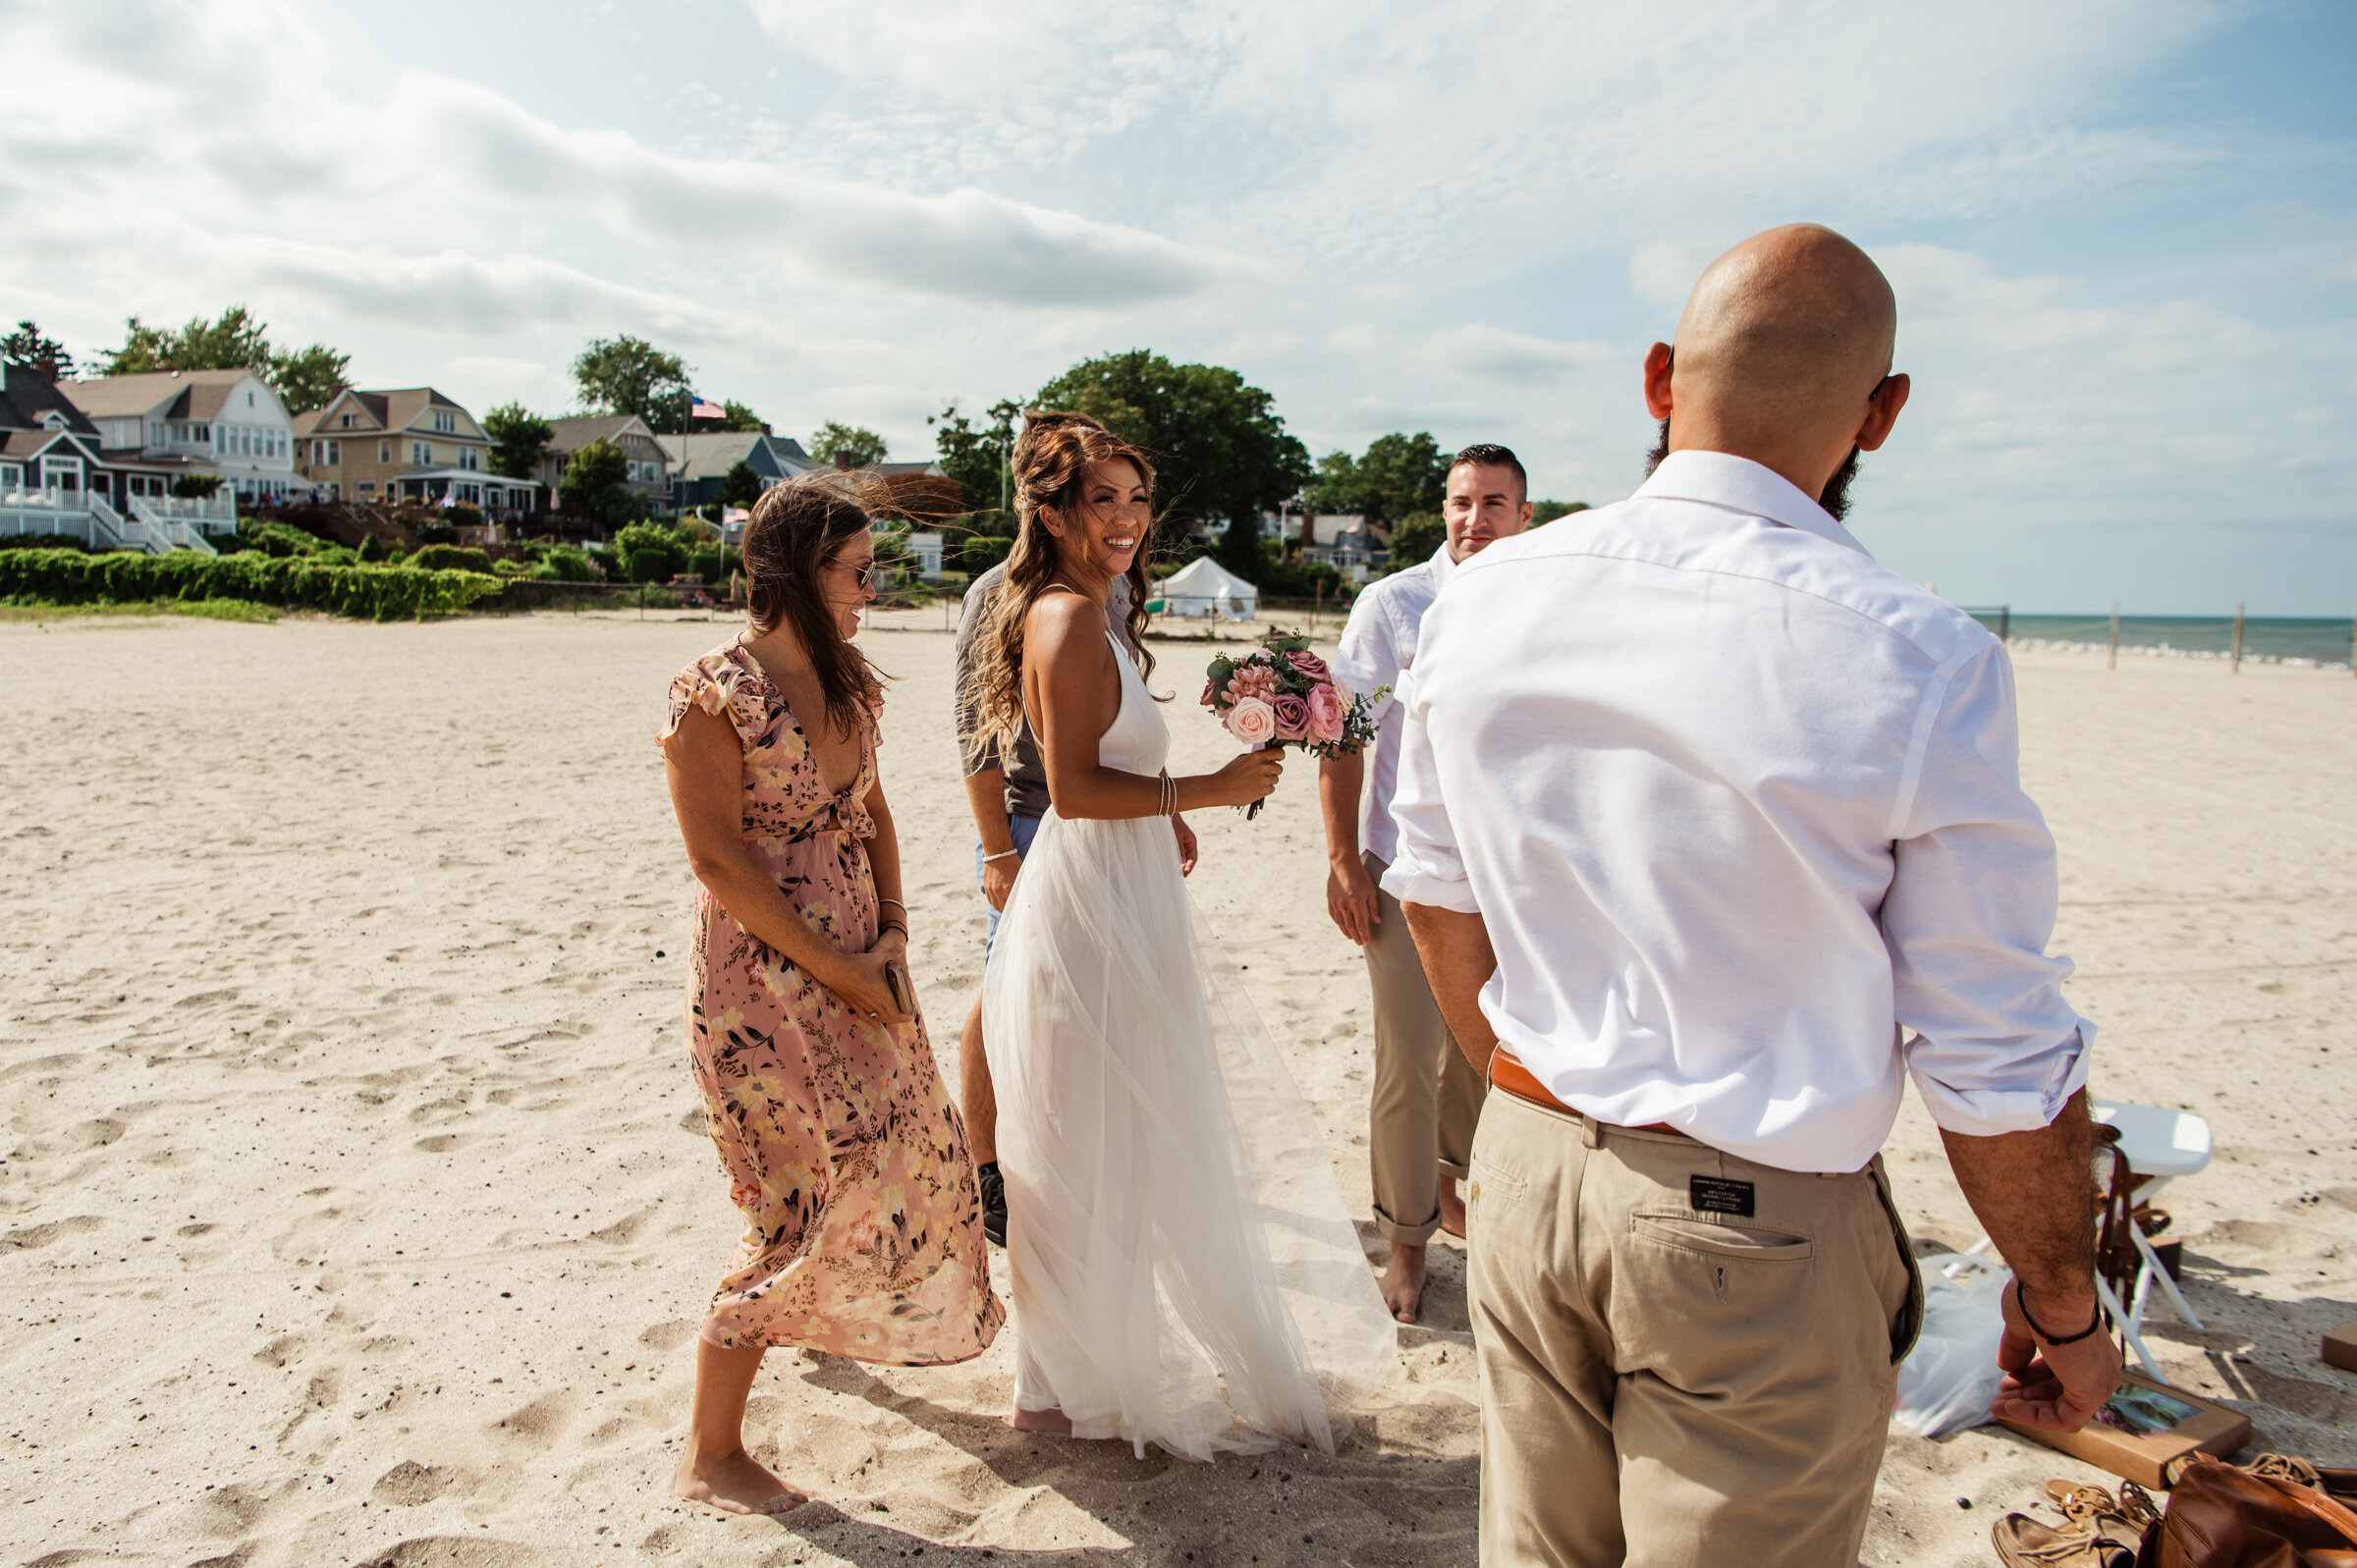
(355, 1206)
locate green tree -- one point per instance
(859, 447)
(737, 416)
(1400, 477)
(1220, 449)
(596, 488)
(977, 459)
(237, 340)
(629, 375)
(27, 345)
(309, 378)
(518, 438)
(1336, 487)
(740, 486)
(1542, 513)
(1417, 537)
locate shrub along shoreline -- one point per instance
(292, 582)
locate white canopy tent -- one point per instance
(1203, 587)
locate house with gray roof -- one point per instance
(650, 465)
(701, 462)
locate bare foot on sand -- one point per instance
(1453, 1209)
(1402, 1282)
(735, 1484)
(1055, 1422)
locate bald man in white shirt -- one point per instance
(1711, 835)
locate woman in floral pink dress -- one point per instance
(863, 1224)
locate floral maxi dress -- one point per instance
(863, 1223)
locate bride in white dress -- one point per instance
(1185, 1271)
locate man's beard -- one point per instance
(1835, 498)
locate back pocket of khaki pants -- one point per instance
(1720, 1241)
(1485, 1181)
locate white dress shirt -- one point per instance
(1379, 643)
(1736, 804)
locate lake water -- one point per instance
(2271, 638)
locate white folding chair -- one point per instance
(2159, 1145)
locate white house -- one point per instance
(225, 422)
(1203, 587)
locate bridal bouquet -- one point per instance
(1280, 694)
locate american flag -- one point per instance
(700, 408)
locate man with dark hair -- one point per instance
(1701, 812)
(1426, 1096)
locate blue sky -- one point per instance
(2123, 235)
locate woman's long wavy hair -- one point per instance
(795, 532)
(1052, 459)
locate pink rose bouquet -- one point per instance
(1282, 695)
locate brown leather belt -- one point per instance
(1507, 1072)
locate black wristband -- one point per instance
(2021, 1293)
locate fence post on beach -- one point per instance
(2237, 665)
(2353, 647)
(2005, 624)
(2114, 661)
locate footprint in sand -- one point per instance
(410, 1483)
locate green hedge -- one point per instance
(449, 557)
(373, 593)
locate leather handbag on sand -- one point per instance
(2223, 1517)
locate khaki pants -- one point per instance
(1662, 1385)
(1427, 1096)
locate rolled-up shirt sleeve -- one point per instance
(1969, 913)
(1428, 868)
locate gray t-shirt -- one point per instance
(1026, 778)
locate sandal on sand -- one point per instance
(2081, 1504)
(2108, 1541)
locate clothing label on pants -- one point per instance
(1716, 1195)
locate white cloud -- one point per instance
(1484, 355)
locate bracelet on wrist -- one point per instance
(1001, 855)
(2021, 1293)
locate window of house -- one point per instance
(368, 487)
(446, 423)
(349, 421)
(202, 434)
(469, 458)
(422, 453)
(384, 452)
(11, 478)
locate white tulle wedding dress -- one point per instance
(1185, 1271)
